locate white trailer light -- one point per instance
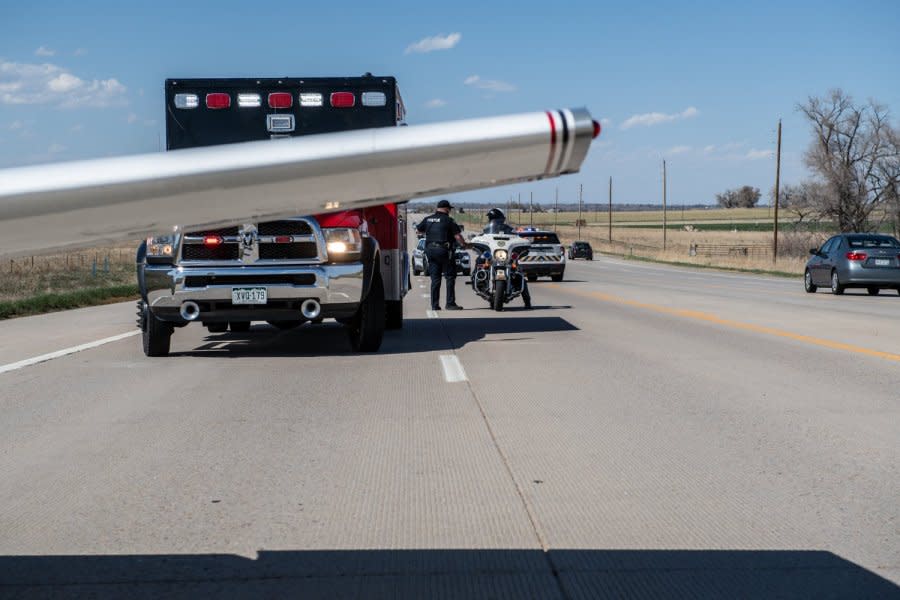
(280, 123)
(187, 101)
(308, 99)
(374, 99)
(249, 100)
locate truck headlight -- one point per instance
(344, 244)
(162, 246)
(501, 255)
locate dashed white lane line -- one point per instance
(453, 369)
(426, 295)
(431, 314)
(59, 353)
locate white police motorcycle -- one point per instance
(496, 276)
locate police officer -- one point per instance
(497, 224)
(440, 233)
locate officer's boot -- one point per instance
(451, 294)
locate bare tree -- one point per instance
(803, 201)
(855, 150)
(744, 197)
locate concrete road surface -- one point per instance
(645, 432)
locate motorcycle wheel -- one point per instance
(499, 295)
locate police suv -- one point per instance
(546, 256)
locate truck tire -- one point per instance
(394, 312)
(499, 295)
(366, 330)
(239, 326)
(156, 335)
(556, 277)
(217, 327)
(532, 277)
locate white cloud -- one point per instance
(26, 83)
(44, 51)
(56, 148)
(77, 128)
(678, 150)
(655, 118)
(493, 85)
(16, 125)
(605, 122)
(132, 118)
(754, 154)
(80, 52)
(436, 103)
(437, 42)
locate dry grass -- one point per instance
(675, 216)
(28, 277)
(648, 243)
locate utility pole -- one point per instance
(777, 186)
(580, 190)
(610, 209)
(556, 211)
(531, 206)
(664, 205)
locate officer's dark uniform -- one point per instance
(440, 233)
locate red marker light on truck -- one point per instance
(597, 129)
(212, 240)
(218, 100)
(280, 100)
(857, 256)
(343, 100)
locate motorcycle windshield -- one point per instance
(497, 226)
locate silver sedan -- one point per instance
(854, 260)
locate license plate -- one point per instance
(249, 295)
(882, 262)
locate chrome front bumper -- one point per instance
(337, 287)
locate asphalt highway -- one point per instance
(645, 432)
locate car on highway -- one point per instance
(545, 256)
(581, 249)
(854, 260)
(420, 261)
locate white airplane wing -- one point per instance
(63, 205)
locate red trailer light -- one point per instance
(343, 99)
(280, 100)
(283, 239)
(857, 256)
(597, 128)
(218, 100)
(212, 240)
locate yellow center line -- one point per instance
(710, 318)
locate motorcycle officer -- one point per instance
(440, 233)
(497, 224)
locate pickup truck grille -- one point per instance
(288, 251)
(284, 240)
(285, 228)
(221, 252)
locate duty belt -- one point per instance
(438, 244)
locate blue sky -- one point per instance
(701, 84)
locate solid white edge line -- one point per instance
(431, 314)
(59, 353)
(453, 369)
